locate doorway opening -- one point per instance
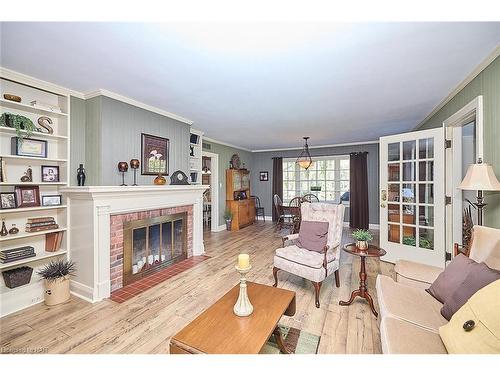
(210, 176)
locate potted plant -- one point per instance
(20, 123)
(362, 236)
(56, 279)
(228, 216)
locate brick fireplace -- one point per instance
(164, 237)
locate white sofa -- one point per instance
(409, 316)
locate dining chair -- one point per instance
(311, 198)
(259, 210)
(285, 219)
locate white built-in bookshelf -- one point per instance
(58, 154)
(195, 156)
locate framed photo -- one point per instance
(7, 201)
(27, 196)
(51, 200)
(50, 173)
(154, 153)
(264, 176)
(28, 147)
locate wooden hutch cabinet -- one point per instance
(238, 198)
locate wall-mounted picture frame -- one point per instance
(264, 176)
(27, 196)
(50, 173)
(36, 148)
(8, 201)
(51, 200)
(154, 154)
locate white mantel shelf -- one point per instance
(91, 208)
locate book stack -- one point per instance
(37, 224)
(11, 255)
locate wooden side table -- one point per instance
(362, 291)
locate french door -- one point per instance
(412, 197)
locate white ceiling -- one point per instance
(262, 85)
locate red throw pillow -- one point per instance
(313, 235)
(480, 276)
(450, 279)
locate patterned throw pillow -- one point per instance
(313, 235)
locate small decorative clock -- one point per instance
(179, 178)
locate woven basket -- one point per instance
(17, 276)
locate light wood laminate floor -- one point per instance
(145, 323)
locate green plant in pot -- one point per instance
(228, 216)
(20, 123)
(362, 236)
(56, 277)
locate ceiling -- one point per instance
(264, 85)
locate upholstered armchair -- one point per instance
(312, 265)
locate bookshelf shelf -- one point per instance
(42, 255)
(21, 234)
(30, 158)
(31, 209)
(29, 108)
(12, 131)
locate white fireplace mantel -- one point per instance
(90, 208)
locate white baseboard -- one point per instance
(221, 228)
(82, 291)
(20, 298)
(370, 226)
(268, 218)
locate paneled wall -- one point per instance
(106, 131)
(487, 83)
(262, 161)
(225, 153)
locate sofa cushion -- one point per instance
(400, 337)
(313, 235)
(416, 274)
(450, 279)
(478, 278)
(305, 257)
(407, 303)
(485, 246)
(483, 333)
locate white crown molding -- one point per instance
(226, 144)
(478, 69)
(38, 83)
(136, 103)
(322, 146)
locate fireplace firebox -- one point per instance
(152, 244)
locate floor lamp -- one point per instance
(480, 177)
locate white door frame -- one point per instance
(453, 164)
(214, 188)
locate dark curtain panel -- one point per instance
(277, 183)
(358, 198)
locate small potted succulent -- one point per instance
(228, 216)
(56, 275)
(362, 236)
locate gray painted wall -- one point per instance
(487, 83)
(225, 153)
(106, 131)
(262, 161)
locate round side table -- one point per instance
(362, 291)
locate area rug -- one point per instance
(299, 342)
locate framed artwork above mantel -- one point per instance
(154, 154)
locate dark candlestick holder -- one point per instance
(123, 167)
(134, 164)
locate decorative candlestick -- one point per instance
(123, 167)
(243, 307)
(134, 164)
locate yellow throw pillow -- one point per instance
(475, 328)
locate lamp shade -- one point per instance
(304, 160)
(480, 177)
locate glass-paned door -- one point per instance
(412, 197)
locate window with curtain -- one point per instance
(327, 178)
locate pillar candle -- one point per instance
(243, 261)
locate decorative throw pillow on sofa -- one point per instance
(313, 235)
(451, 278)
(480, 276)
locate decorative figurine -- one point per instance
(159, 180)
(14, 229)
(28, 175)
(3, 231)
(123, 167)
(45, 123)
(134, 164)
(80, 175)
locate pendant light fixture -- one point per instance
(304, 160)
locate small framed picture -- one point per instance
(27, 196)
(264, 176)
(7, 201)
(29, 147)
(51, 200)
(50, 173)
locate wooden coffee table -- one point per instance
(373, 252)
(219, 331)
